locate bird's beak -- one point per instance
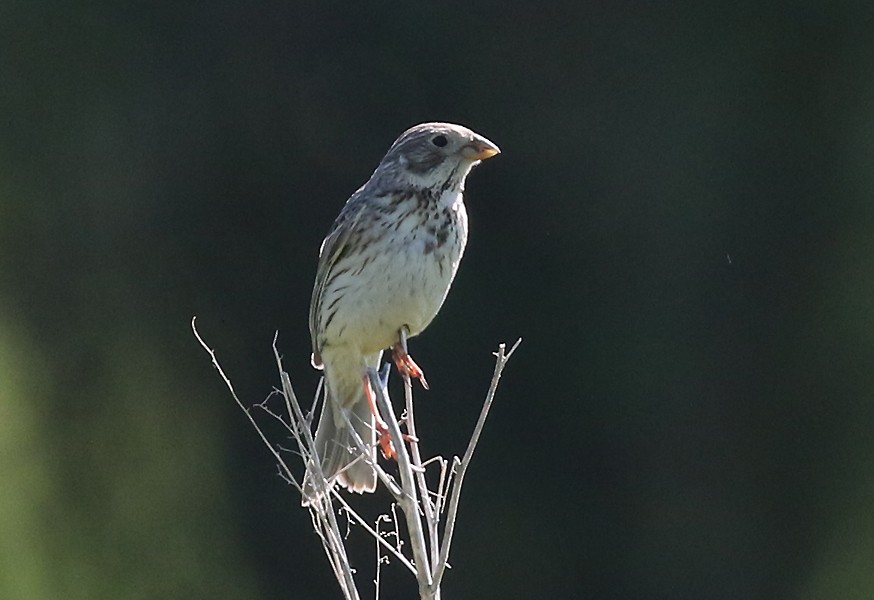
(480, 149)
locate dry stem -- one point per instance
(423, 509)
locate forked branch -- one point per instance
(430, 515)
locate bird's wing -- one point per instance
(332, 248)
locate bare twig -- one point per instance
(431, 517)
(423, 508)
(373, 532)
(408, 500)
(502, 358)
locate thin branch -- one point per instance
(422, 508)
(323, 509)
(248, 412)
(431, 515)
(408, 501)
(334, 546)
(501, 360)
(397, 554)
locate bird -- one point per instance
(385, 268)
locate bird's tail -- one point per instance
(339, 457)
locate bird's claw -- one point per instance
(407, 367)
(385, 443)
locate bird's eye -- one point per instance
(439, 141)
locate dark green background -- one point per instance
(680, 227)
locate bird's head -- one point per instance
(435, 155)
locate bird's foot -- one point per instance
(385, 443)
(407, 367)
(388, 449)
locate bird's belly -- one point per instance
(405, 288)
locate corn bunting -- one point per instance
(384, 270)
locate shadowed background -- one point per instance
(680, 227)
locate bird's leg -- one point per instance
(407, 367)
(388, 449)
(385, 443)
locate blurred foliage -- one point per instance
(680, 226)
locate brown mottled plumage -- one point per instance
(387, 262)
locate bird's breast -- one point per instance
(406, 260)
(431, 250)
